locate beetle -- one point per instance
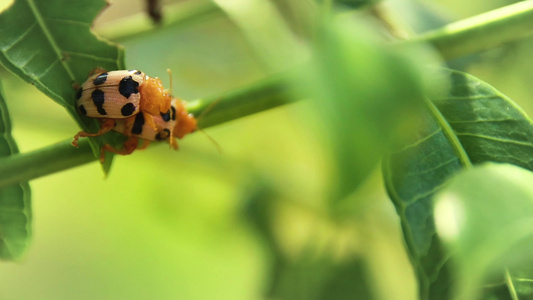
(175, 123)
(121, 94)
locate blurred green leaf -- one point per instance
(312, 276)
(265, 30)
(366, 94)
(49, 44)
(15, 200)
(356, 3)
(313, 273)
(485, 217)
(348, 280)
(473, 123)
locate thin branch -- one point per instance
(260, 96)
(58, 157)
(218, 109)
(482, 32)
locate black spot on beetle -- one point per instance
(78, 93)
(162, 135)
(82, 109)
(128, 86)
(100, 79)
(173, 113)
(128, 109)
(98, 97)
(136, 72)
(137, 127)
(166, 116)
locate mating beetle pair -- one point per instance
(134, 104)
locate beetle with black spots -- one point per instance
(175, 123)
(121, 94)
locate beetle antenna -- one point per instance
(217, 145)
(207, 110)
(170, 78)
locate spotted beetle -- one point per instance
(176, 122)
(120, 95)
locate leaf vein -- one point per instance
(482, 121)
(440, 165)
(72, 22)
(19, 38)
(48, 34)
(492, 138)
(419, 141)
(48, 68)
(85, 55)
(480, 97)
(424, 195)
(523, 279)
(23, 66)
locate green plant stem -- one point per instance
(262, 95)
(214, 110)
(58, 157)
(482, 32)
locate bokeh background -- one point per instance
(173, 225)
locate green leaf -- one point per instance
(266, 32)
(314, 274)
(366, 94)
(15, 200)
(49, 44)
(356, 3)
(347, 280)
(485, 217)
(473, 123)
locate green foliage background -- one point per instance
(177, 225)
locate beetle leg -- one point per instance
(172, 140)
(128, 125)
(144, 144)
(105, 126)
(173, 143)
(129, 146)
